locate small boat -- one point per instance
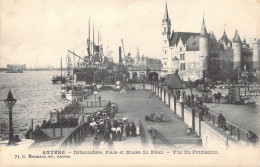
(56, 79)
(61, 79)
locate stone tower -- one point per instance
(256, 54)
(166, 35)
(237, 47)
(204, 49)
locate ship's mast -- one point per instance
(93, 42)
(61, 67)
(89, 38)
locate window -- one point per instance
(164, 29)
(182, 67)
(164, 52)
(182, 56)
(165, 63)
(180, 48)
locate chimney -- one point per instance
(120, 56)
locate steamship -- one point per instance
(88, 71)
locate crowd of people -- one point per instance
(106, 129)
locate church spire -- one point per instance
(203, 28)
(166, 16)
(203, 21)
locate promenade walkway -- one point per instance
(136, 104)
(246, 117)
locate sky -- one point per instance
(39, 33)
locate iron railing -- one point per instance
(236, 133)
(94, 103)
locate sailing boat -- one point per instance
(60, 78)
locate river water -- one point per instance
(36, 97)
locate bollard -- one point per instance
(182, 111)
(53, 131)
(32, 128)
(175, 101)
(164, 96)
(200, 119)
(193, 120)
(60, 130)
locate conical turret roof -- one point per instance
(237, 38)
(224, 38)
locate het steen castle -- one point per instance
(198, 54)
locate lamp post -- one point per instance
(95, 93)
(10, 102)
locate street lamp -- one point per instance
(10, 102)
(95, 93)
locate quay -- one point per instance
(180, 127)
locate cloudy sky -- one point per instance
(40, 32)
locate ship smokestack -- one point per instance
(120, 56)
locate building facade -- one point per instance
(143, 68)
(196, 55)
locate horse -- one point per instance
(217, 96)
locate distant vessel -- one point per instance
(15, 68)
(60, 78)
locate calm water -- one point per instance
(36, 97)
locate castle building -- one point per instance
(198, 55)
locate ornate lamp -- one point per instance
(10, 102)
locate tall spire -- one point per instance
(203, 28)
(203, 21)
(166, 16)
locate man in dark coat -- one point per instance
(219, 97)
(109, 104)
(99, 99)
(106, 136)
(122, 130)
(115, 123)
(133, 129)
(127, 130)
